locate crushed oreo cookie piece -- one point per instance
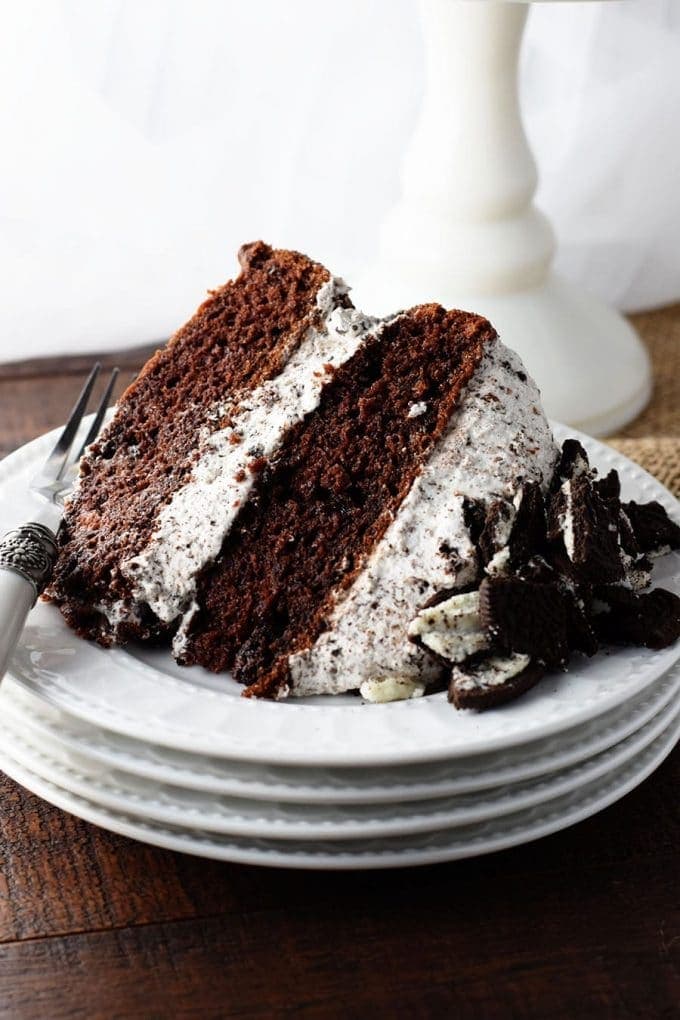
(494, 539)
(493, 681)
(454, 561)
(627, 539)
(588, 527)
(391, 688)
(538, 569)
(529, 532)
(636, 564)
(527, 617)
(572, 463)
(609, 487)
(581, 636)
(474, 515)
(447, 593)
(451, 630)
(622, 617)
(513, 532)
(654, 531)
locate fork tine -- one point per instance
(57, 459)
(99, 416)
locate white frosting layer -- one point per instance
(191, 528)
(498, 437)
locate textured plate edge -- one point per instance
(373, 795)
(45, 767)
(88, 812)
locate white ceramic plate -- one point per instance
(141, 693)
(426, 848)
(172, 805)
(336, 786)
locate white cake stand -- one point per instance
(466, 232)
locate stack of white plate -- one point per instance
(175, 757)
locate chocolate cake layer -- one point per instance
(319, 508)
(241, 336)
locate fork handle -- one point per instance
(27, 558)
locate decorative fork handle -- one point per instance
(27, 558)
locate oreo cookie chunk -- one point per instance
(655, 533)
(627, 540)
(494, 538)
(513, 532)
(474, 515)
(572, 463)
(622, 617)
(529, 617)
(609, 487)
(526, 616)
(451, 630)
(580, 634)
(637, 565)
(493, 681)
(588, 529)
(530, 530)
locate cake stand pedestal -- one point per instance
(467, 234)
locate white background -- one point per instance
(143, 141)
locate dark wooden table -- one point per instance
(585, 923)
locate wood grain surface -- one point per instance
(582, 924)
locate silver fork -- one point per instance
(28, 553)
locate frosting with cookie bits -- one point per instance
(562, 571)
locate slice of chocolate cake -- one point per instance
(285, 485)
(172, 425)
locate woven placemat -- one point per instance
(653, 439)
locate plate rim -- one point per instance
(615, 790)
(649, 706)
(423, 818)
